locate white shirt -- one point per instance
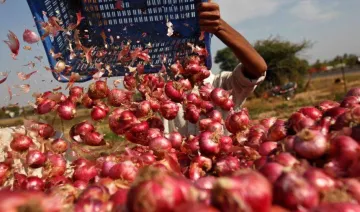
(241, 87)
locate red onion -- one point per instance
(285, 159)
(66, 110)
(21, 143)
(45, 106)
(87, 102)
(352, 187)
(298, 122)
(327, 105)
(228, 105)
(106, 167)
(81, 129)
(335, 112)
(143, 109)
(56, 181)
(272, 171)
(311, 112)
(160, 145)
(169, 110)
(85, 173)
(205, 91)
(153, 133)
(59, 146)
(4, 172)
(238, 121)
(350, 102)
(209, 143)
(192, 144)
(98, 113)
(93, 139)
(268, 148)
(76, 91)
(146, 159)
(177, 68)
(237, 193)
(194, 99)
(310, 144)
(30, 37)
(35, 159)
(226, 144)
(185, 84)
(215, 115)
(95, 192)
(45, 131)
(289, 143)
(335, 169)
(55, 165)
(257, 134)
(79, 184)
(129, 82)
(219, 96)
(158, 190)
(336, 207)
(120, 121)
(226, 166)
(206, 107)
(138, 133)
(91, 205)
(33, 184)
(277, 132)
(118, 97)
(192, 113)
(119, 198)
(319, 179)
(196, 207)
(354, 92)
(176, 140)
(199, 167)
(98, 90)
(268, 122)
(294, 192)
(344, 149)
(126, 170)
(174, 91)
(156, 122)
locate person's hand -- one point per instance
(209, 17)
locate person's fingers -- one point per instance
(210, 29)
(208, 6)
(208, 23)
(212, 15)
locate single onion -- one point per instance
(126, 170)
(55, 165)
(59, 145)
(176, 139)
(93, 139)
(192, 113)
(118, 97)
(205, 91)
(327, 105)
(199, 167)
(219, 96)
(30, 37)
(354, 92)
(310, 144)
(45, 106)
(209, 143)
(66, 110)
(160, 145)
(80, 129)
(238, 121)
(21, 143)
(85, 173)
(35, 159)
(174, 91)
(98, 113)
(129, 82)
(272, 171)
(311, 112)
(236, 193)
(87, 102)
(169, 110)
(226, 166)
(120, 121)
(33, 184)
(98, 90)
(76, 91)
(4, 172)
(268, 148)
(319, 179)
(344, 149)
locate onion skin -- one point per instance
(226, 166)
(4, 172)
(118, 97)
(85, 173)
(344, 149)
(192, 114)
(67, 110)
(199, 167)
(119, 198)
(209, 144)
(169, 110)
(197, 207)
(125, 170)
(268, 148)
(35, 159)
(293, 191)
(234, 193)
(59, 145)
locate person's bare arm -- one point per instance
(210, 21)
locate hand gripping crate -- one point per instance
(143, 23)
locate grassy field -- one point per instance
(323, 88)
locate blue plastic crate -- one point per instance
(140, 21)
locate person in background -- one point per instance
(242, 80)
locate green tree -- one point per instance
(282, 58)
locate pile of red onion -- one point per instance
(310, 162)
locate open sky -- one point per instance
(333, 26)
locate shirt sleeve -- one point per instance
(241, 86)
